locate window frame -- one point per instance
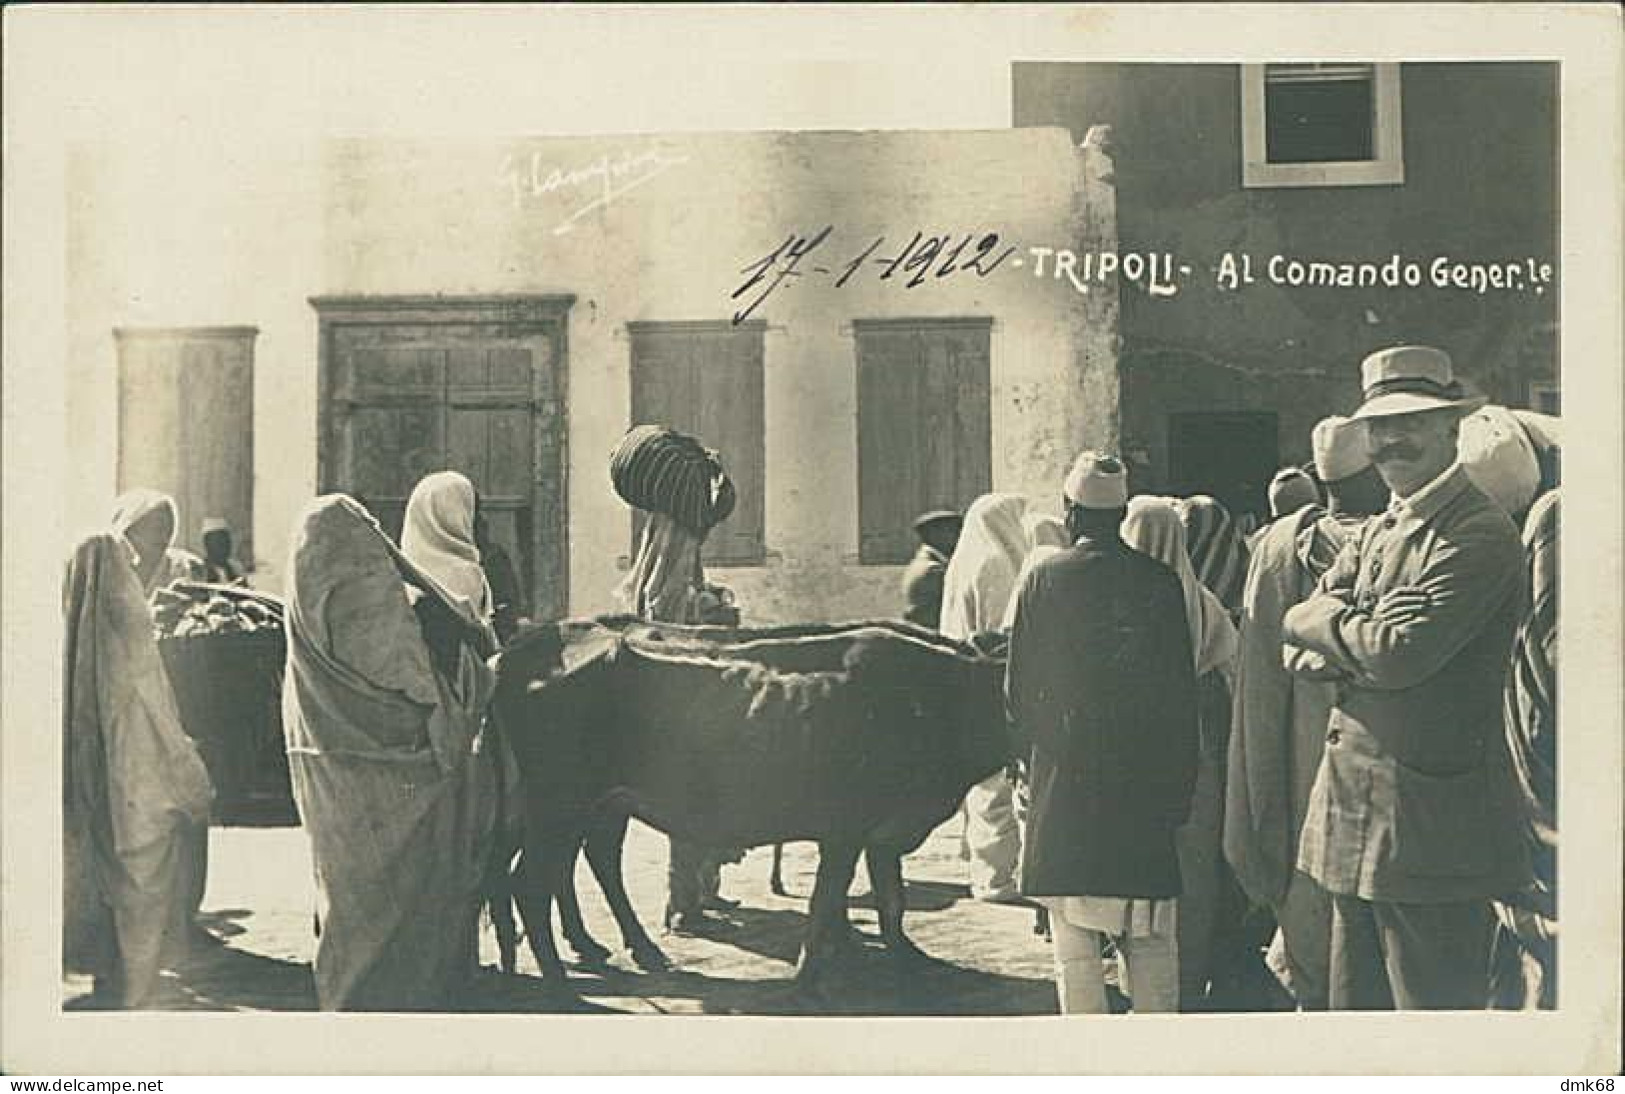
(1386, 168)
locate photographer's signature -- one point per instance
(610, 175)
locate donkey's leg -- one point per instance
(886, 879)
(537, 881)
(586, 948)
(605, 841)
(827, 927)
(501, 884)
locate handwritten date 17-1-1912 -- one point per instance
(922, 257)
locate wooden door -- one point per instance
(417, 385)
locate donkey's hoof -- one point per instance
(903, 950)
(589, 952)
(650, 958)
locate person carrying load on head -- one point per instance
(685, 492)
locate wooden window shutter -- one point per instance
(924, 426)
(731, 421)
(706, 379)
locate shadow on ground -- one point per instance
(218, 977)
(866, 981)
(922, 896)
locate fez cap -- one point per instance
(1097, 481)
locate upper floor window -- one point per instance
(1321, 125)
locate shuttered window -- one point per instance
(705, 379)
(924, 426)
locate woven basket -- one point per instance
(663, 471)
(228, 688)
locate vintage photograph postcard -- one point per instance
(827, 538)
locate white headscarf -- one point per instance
(1046, 535)
(1153, 528)
(172, 563)
(130, 508)
(1044, 530)
(438, 536)
(981, 575)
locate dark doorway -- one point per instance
(1231, 455)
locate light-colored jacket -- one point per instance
(1414, 800)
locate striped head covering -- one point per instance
(1218, 554)
(1154, 527)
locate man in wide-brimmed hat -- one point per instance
(1412, 822)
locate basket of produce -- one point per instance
(223, 648)
(663, 471)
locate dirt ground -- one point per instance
(985, 958)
